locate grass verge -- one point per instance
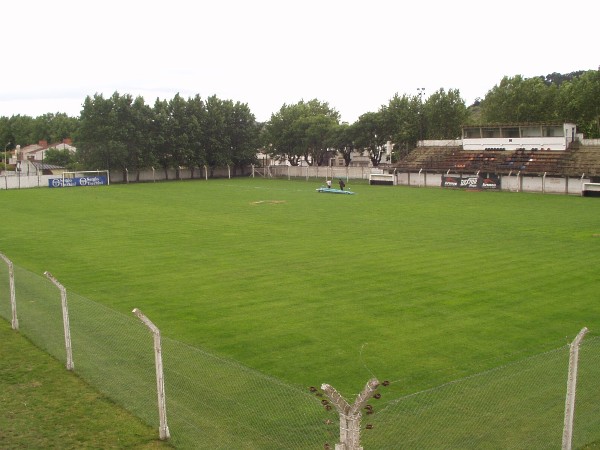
(45, 406)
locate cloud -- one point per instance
(353, 55)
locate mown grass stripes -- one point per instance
(417, 285)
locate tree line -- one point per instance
(122, 132)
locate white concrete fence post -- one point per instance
(13, 299)
(160, 380)
(65, 314)
(567, 440)
(350, 415)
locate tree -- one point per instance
(62, 158)
(54, 128)
(579, 102)
(113, 133)
(402, 122)
(445, 113)
(22, 131)
(7, 139)
(520, 100)
(63, 127)
(218, 142)
(316, 130)
(558, 78)
(25, 130)
(196, 111)
(283, 135)
(341, 139)
(371, 135)
(243, 131)
(139, 154)
(177, 131)
(93, 142)
(159, 138)
(299, 132)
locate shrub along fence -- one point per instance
(214, 402)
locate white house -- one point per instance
(37, 152)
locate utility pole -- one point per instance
(421, 94)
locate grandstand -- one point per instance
(580, 157)
(574, 162)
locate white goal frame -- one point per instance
(85, 173)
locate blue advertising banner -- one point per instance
(471, 182)
(80, 181)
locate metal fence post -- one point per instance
(160, 380)
(571, 389)
(65, 314)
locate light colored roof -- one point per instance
(44, 166)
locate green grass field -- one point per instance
(416, 286)
(44, 406)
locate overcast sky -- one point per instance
(353, 55)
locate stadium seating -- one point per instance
(575, 161)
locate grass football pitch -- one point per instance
(415, 286)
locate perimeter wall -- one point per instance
(512, 183)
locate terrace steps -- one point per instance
(576, 161)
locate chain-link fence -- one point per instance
(516, 406)
(214, 402)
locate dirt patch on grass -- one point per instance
(267, 202)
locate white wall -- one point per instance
(513, 183)
(511, 144)
(10, 180)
